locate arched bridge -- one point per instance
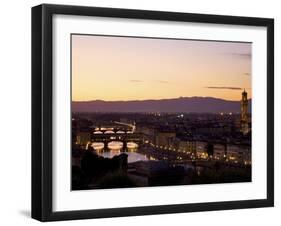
(122, 137)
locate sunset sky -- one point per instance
(124, 68)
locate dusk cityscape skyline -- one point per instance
(159, 112)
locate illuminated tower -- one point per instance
(244, 114)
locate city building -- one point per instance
(83, 137)
(165, 139)
(219, 151)
(147, 132)
(244, 114)
(239, 153)
(187, 146)
(201, 149)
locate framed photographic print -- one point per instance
(145, 112)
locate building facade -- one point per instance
(244, 114)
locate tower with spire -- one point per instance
(244, 113)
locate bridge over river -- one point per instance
(125, 138)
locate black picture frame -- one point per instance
(42, 111)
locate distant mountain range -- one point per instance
(182, 104)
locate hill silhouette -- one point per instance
(182, 104)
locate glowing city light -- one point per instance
(115, 145)
(97, 146)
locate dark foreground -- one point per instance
(96, 172)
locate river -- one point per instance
(115, 148)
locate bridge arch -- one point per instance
(98, 145)
(109, 132)
(115, 145)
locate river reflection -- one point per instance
(115, 148)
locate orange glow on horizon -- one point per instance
(122, 68)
